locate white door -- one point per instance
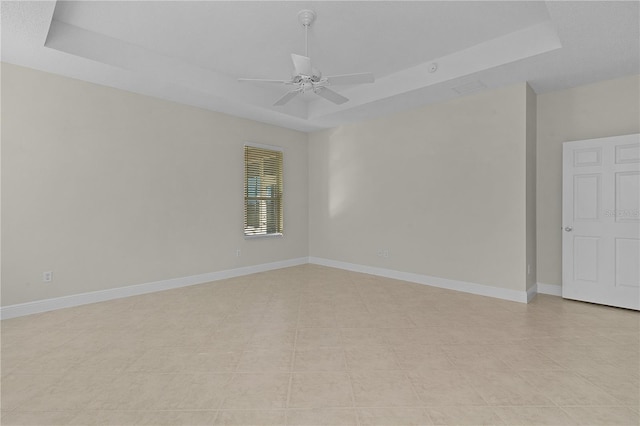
(601, 221)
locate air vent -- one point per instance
(470, 87)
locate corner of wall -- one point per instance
(600, 109)
(531, 175)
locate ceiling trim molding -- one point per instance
(126, 46)
(518, 45)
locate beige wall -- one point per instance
(607, 108)
(108, 188)
(442, 187)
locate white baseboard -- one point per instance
(45, 305)
(552, 289)
(21, 309)
(466, 287)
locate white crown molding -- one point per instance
(551, 289)
(509, 48)
(463, 286)
(45, 305)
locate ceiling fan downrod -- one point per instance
(306, 17)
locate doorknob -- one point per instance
(568, 229)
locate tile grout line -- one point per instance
(237, 364)
(519, 374)
(581, 375)
(293, 359)
(346, 364)
(411, 384)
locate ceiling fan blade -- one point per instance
(301, 64)
(262, 80)
(330, 95)
(365, 77)
(286, 98)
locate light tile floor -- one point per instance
(311, 345)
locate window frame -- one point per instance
(245, 183)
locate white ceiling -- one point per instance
(194, 52)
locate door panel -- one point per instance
(627, 262)
(585, 259)
(627, 154)
(586, 199)
(601, 221)
(627, 196)
(587, 157)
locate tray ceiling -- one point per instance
(194, 52)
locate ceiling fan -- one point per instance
(308, 79)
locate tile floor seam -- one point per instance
(596, 405)
(352, 394)
(474, 388)
(362, 299)
(448, 357)
(293, 359)
(583, 376)
(417, 395)
(497, 412)
(538, 389)
(233, 373)
(569, 415)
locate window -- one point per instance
(262, 191)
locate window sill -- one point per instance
(251, 237)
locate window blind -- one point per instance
(262, 191)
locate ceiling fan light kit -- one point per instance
(305, 78)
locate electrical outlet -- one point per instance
(385, 253)
(47, 277)
(238, 252)
(380, 252)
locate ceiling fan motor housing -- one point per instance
(299, 78)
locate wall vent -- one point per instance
(469, 87)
